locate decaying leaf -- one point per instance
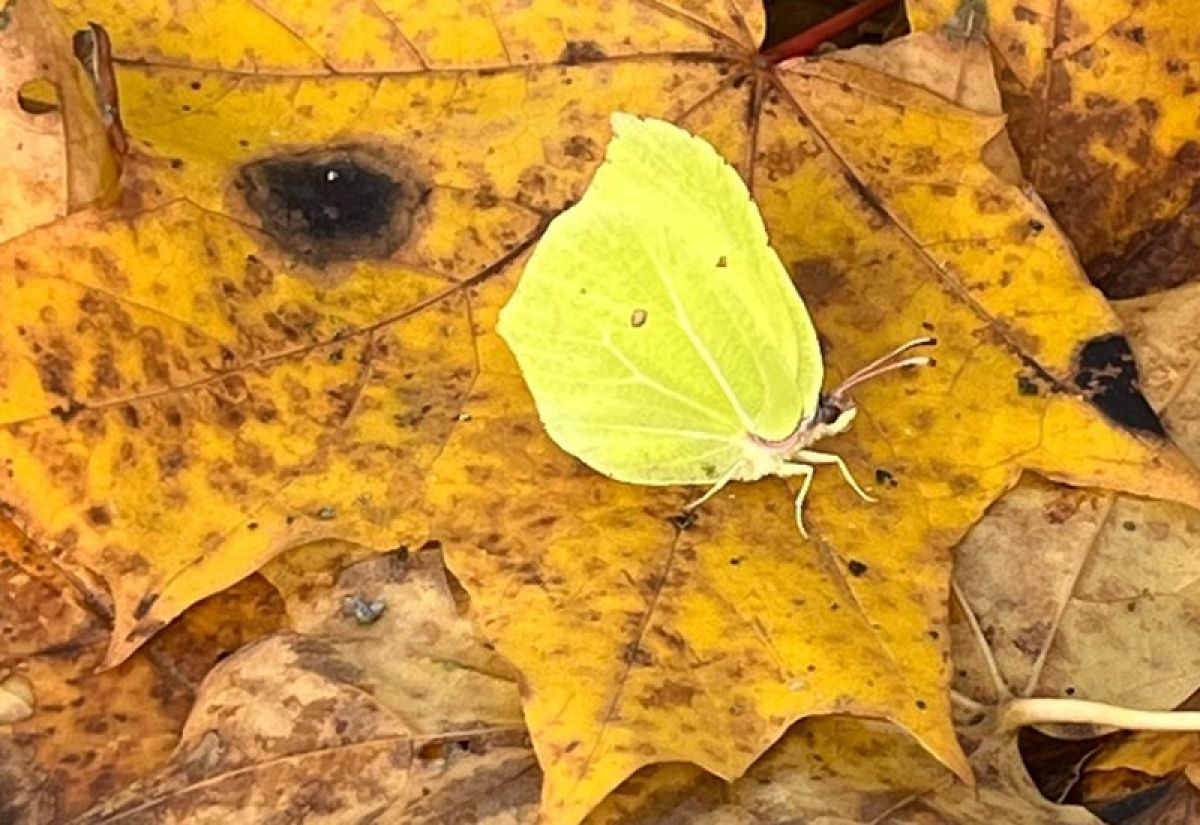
(1138, 577)
(1078, 604)
(1102, 105)
(287, 335)
(1153, 754)
(59, 156)
(221, 391)
(398, 720)
(843, 772)
(82, 734)
(86, 733)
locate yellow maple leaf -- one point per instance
(251, 358)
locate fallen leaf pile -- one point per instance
(285, 540)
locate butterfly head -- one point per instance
(836, 410)
(834, 415)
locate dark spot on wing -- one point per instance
(1107, 375)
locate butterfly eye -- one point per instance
(830, 408)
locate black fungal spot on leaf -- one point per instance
(856, 568)
(1107, 375)
(345, 203)
(67, 412)
(884, 476)
(582, 51)
(1033, 380)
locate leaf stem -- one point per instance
(1043, 710)
(806, 42)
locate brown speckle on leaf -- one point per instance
(581, 51)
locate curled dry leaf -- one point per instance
(405, 719)
(1101, 96)
(58, 158)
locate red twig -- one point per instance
(807, 41)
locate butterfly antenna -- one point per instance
(887, 363)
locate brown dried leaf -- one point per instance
(402, 718)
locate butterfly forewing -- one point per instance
(671, 176)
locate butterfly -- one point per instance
(660, 335)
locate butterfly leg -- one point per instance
(829, 458)
(713, 490)
(805, 473)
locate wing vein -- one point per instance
(658, 385)
(685, 324)
(636, 373)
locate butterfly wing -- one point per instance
(654, 325)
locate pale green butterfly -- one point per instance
(660, 335)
